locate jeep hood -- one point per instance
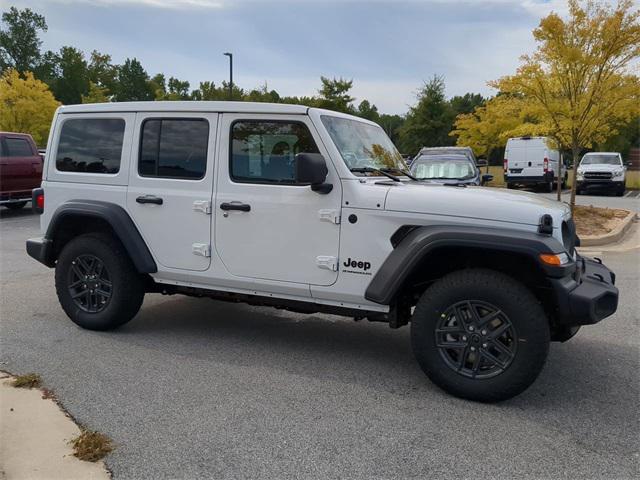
(474, 202)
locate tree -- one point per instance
(96, 94)
(178, 89)
(132, 83)
(70, 76)
(579, 75)
(429, 122)
(20, 43)
(102, 72)
(466, 103)
(368, 111)
(392, 124)
(26, 105)
(334, 95)
(490, 125)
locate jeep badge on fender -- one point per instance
(248, 202)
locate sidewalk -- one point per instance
(34, 436)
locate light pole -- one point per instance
(230, 55)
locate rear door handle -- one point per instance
(243, 207)
(149, 199)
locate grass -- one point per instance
(633, 177)
(29, 380)
(91, 446)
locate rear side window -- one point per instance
(264, 151)
(174, 148)
(91, 145)
(17, 147)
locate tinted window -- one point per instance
(90, 145)
(174, 148)
(264, 151)
(17, 147)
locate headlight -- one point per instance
(580, 175)
(618, 173)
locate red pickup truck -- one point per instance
(20, 169)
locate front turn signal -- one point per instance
(554, 259)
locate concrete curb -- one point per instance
(611, 237)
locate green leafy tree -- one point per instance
(466, 103)
(133, 83)
(262, 94)
(429, 122)
(392, 125)
(71, 76)
(368, 111)
(19, 39)
(334, 95)
(102, 72)
(96, 94)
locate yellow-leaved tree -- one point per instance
(26, 105)
(489, 126)
(581, 76)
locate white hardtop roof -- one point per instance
(186, 106)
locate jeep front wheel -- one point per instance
(480, 335)
(97, 284)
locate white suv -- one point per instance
(308, 210)
(601, 171)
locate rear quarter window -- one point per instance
(90, 145)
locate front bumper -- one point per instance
(41, 249)
(601, 184)
(587, 296)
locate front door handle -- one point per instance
(243, 207)
(149, 199)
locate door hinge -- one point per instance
(327, 262)
(201, 249)
(203, 206)
(329, 215)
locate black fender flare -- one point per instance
(422, 241)
(117, 218)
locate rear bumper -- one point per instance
(41, 249)
(587, 296)
(528, 180)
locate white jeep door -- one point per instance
(170, 186)
(267, 226)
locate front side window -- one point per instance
(18, 147)
(456, 167)
(363, 145)
(90, 145)
(263, 151)
(174, 148)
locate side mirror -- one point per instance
(486, 178)
(481, 163)
(311, 169)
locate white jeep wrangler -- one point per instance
(312, 211)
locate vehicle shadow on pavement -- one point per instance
(23, 212)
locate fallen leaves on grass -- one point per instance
(29, 380)
(91, 446)
(595, 220)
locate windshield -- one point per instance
(600, 160)
(363, 145)
(445, 167)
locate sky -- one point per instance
(388, 48)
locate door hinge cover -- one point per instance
(329, 215)
(328, 263)
(203, 206)
(201, 249)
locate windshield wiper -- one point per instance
(374, 170)
(399, 170)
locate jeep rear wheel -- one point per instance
(96, 283)
(480, 335)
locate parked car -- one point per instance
(20, 169)
(309, 210)
(601, 171)
(448, 169)
(530, 161)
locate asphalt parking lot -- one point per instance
(195, 388)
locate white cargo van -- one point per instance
(532, 161)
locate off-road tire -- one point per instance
(15, 205)
(511, 186)
(127, 286)
(548, 187)
(520, 306)
(620, 192)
